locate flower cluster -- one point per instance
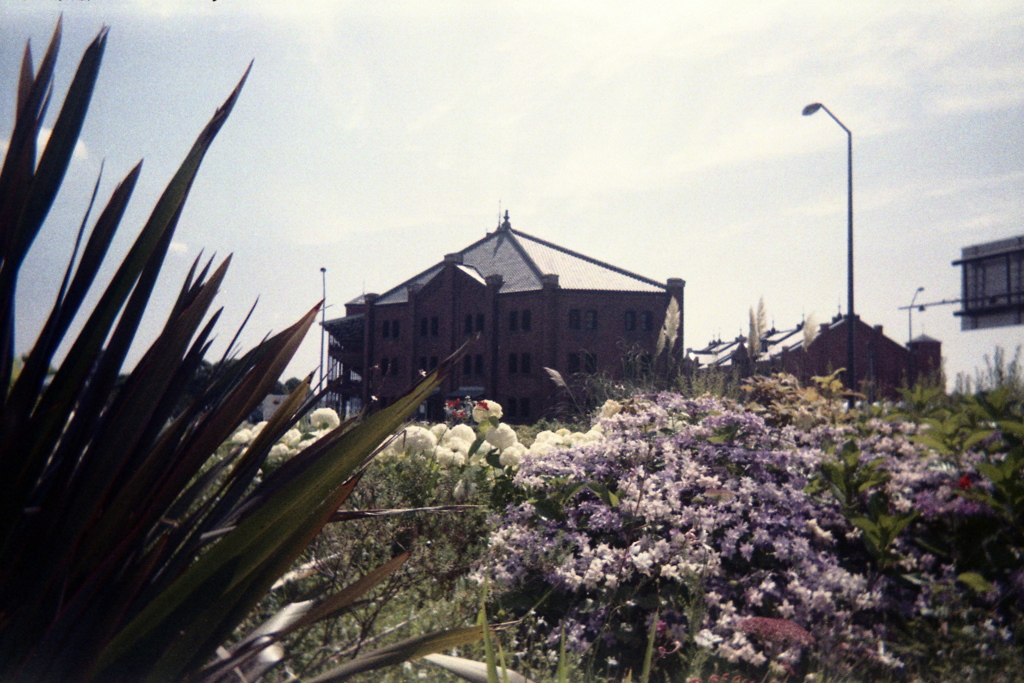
(303, 435)
(460, 445)
(704, 508)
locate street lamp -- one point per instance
(323, 326)
(850, 355)
(910, 312)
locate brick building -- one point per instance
(533, 304)
(882, 364)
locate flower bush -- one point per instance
(740, 536)
(785, 536)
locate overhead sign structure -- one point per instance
(992, 284)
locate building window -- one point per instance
(513, 321)
(646, 321)
(630, 322)
(512, 405)
(513, 364)
(524, 408)
(526, 321)
(467, 326)
(478, 364)
(433, 326)
(394, 329)
(574, 362)
(433, 362)
(524, 364)
(423, 327)
(423, 363)
(467, 365)
(590, 320)
(479, 322)
(385, 331)
(589, 363)
(574, 319)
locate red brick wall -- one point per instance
(453, 295)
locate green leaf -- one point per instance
(975, 582)
(413, 648)
(608, 497)
(259, 549)
(549, 509)
(645, 673)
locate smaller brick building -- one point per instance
(882, 364)
(528, 303)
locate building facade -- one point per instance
(520, 303)
(883, 365)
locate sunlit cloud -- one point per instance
(81, 152)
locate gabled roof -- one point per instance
(522, 259)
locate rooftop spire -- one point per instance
(505, 224)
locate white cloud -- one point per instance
(81, 152)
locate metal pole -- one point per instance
(910, 313)
(851, 357)
(323, 327)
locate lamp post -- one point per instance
(910, 313)
(850, 355)
(323, 327)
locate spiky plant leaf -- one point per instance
(470, 670)
(413, 648)
(130, 544)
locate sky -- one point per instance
(663, 137)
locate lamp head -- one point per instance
(323, 270)
(811, 108)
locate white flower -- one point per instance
(439, 430)
(459, 493)
(416, 441)
(242, 436)
(817, 532)
(502, 436)
(291, 438)
(446, 457)
(324, 418)
(706, 639)
(460, 446)
(279, 451)
(462, 432)
(486, 409)
(512, 455)
(610, 407)
(547, 437)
